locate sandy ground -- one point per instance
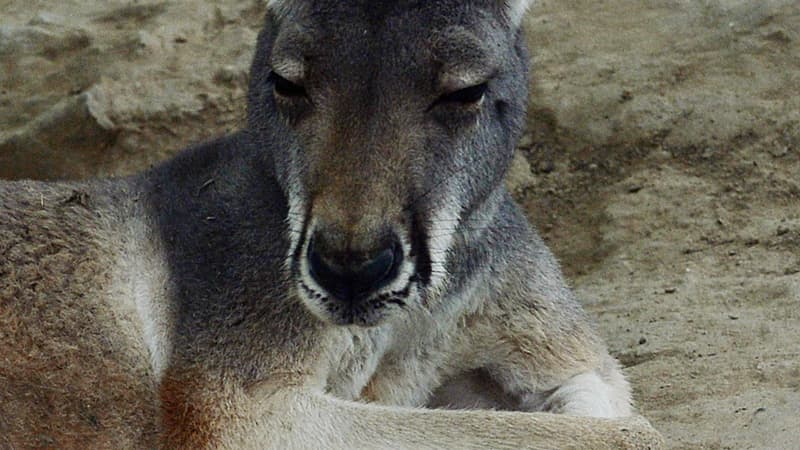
(662, 164)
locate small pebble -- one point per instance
(547, 166)
(779, 152)
(626, 96)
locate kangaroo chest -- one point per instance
(400, 365)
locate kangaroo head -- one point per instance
(391, 122)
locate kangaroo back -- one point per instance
(74, 372)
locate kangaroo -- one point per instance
(347, 271)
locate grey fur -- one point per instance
(186, 283)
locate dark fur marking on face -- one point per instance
(421, 252)
(298, 251)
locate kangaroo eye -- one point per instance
(466, 96)
(285, 87)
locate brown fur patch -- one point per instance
(191, 408)
(71, 376)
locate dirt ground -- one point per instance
(662, 164)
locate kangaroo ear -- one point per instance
(278, 7)
(515, 10)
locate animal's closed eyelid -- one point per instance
(285, 87)
(471, 94)
(453, 80)
(290, 69)
(465, 77)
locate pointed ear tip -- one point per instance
(518, 4)
(517, 9)
(278, 7)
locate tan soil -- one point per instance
(662, 165)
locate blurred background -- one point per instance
(661, 163)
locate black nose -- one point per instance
(350, 276)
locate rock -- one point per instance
(67, 141)
(41, 41)
(618, 71)
(779, 151)
(231, 76)
(546, 166)
(146, 42)
(519, 174)
(526, 141)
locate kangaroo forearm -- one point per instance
(301, 419)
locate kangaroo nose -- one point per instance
(348, 276)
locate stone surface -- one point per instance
(69, 139)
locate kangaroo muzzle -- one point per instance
(355, 273)
(350, 276)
